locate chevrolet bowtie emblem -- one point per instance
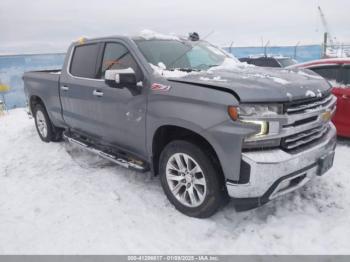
(326, 116)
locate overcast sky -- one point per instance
(50, 25)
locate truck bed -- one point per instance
(45, 84)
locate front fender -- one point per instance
(203, 111)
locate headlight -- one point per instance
(264, 126)
(259, 114)
(248, 110)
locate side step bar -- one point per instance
(113, 158)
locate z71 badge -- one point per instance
(160, 87)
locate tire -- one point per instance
(190, 196)
(46, 130)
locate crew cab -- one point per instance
(209, 126)
(337, 72)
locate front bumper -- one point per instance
(276, 172)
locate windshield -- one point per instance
(185, 55)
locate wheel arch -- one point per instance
(167, 133)
(33, 101)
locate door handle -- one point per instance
(64, 88)
(97, 93)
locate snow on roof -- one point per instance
(149, 34)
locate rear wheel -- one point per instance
(190, 180)
(46, 130)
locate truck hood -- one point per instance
(258, 84)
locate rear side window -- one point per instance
(271, 62)
(346, 75)
(257, 62)
(84, 61)
(327, 72)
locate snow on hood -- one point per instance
(257, 84)
(230, 64)
(149, 35)
(233, 65)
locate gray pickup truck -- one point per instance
(209, 126)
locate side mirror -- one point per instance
(120, 77)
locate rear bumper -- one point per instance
(276, 172)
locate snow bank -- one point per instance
(57, 199)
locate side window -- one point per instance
(257, 62)
(117, 56)
(327, 72)
(84, 59)
(346, 75)
(271, 62)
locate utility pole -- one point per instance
(230, 48)
(295, 50)
(265, 48)
(324, 47)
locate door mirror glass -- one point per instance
(120, 77)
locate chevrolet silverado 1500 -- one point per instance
(208, 125)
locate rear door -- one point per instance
(77, 86)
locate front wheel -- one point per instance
(190, 179)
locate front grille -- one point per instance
(307, 105)
(303, 138)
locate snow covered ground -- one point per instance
(57, 199)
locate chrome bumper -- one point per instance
(271, 171)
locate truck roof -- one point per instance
(143, 35)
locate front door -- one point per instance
(122, 110)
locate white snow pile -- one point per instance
(230, 64)
(56, 199)
(279, 80)
(273, 78)
(215, 78)
(149, 35)
(310, 93)
(162, 71)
